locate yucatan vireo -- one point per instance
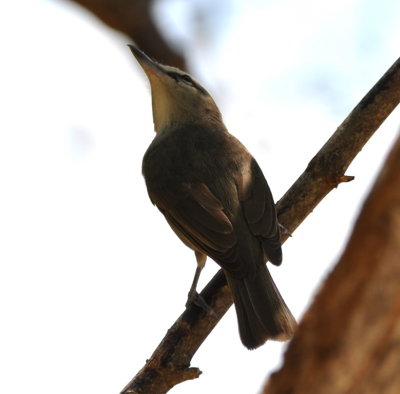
(216, 199)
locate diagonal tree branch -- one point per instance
(326, 170)
(169, 364)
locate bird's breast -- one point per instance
(190, 154)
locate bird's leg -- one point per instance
(193, 292)
(193, 296)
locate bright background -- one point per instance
(91, 276)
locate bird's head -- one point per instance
(177, 98)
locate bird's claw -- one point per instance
(194, 298)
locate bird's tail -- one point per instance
(261, 311)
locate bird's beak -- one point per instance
(150, 67)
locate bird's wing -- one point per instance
(197, 216)
(259, 210)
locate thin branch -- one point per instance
(169, 364)
(326, 170)
(349, 340)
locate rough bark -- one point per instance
(349, 340)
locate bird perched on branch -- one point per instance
(215, 197)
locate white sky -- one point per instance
(91, 276)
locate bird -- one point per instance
(215, 198)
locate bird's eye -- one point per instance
(187, 79)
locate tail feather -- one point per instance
(261, 311)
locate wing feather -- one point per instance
(198, 218)
(259, 210)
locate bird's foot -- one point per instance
(194, 298)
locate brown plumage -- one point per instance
(215, 197)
